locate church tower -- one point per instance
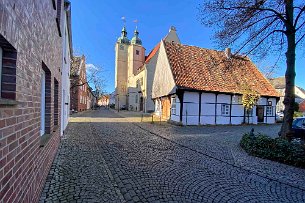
(129, 57)
(121, 69)
(136, 53)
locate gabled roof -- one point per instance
(209, 70)
(278, 83)
(152, 53)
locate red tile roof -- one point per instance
(210, 70)
(152, 53)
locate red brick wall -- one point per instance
(78, 91)
(30, 27)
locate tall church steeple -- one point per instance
(136, 39)
(123, 38)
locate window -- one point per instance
(45, 105)
(269, 111)
(136, 99)
(58, 17)
(173, 109)
(1, 53)
(8, 56)
(54, 4)
(55, 102)
(121, 47)
(137, 52)
(42, 102)
(225, 109)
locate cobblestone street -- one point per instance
(105, 157)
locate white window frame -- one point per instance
(1, 55)
(173, 108)
(43, 103)
(269, 111)
(225, 109)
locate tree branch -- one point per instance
(300, 26)
(258, 33)
(261, 41)
(299, 15)
(280, 15)
(300, 39)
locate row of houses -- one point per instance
(188, 84)
(36, 95)
(82, 95)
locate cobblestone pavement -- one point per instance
(107, 158)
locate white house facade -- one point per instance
(279, 84)
(201, 108)
(196, 86)
(67, 54)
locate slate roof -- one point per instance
(210, 70)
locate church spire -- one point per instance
(123, 39)
(136, 39)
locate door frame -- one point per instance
(260, 119)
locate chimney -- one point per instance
(228, 52)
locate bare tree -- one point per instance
(94, 77)
(261, 27)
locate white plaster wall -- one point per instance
(151, 69)
(163, 83)
(65, 77)
(191, 106)
(176, 116)
(222, 119)
(207, 109)
(237, 110)
(190, 111)
(271, 120)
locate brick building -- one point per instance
(79, 86)
(30, 68)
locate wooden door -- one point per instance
(260, 114)
(165, 108)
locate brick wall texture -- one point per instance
(79, 94)
(30, 27)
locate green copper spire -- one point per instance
(136, 39)
(123, 39)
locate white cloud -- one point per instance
(91, 68)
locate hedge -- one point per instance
(278, 149)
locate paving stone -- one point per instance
(107, 158)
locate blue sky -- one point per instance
(97, 25)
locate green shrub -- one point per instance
(297, 114)
(277, 149)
